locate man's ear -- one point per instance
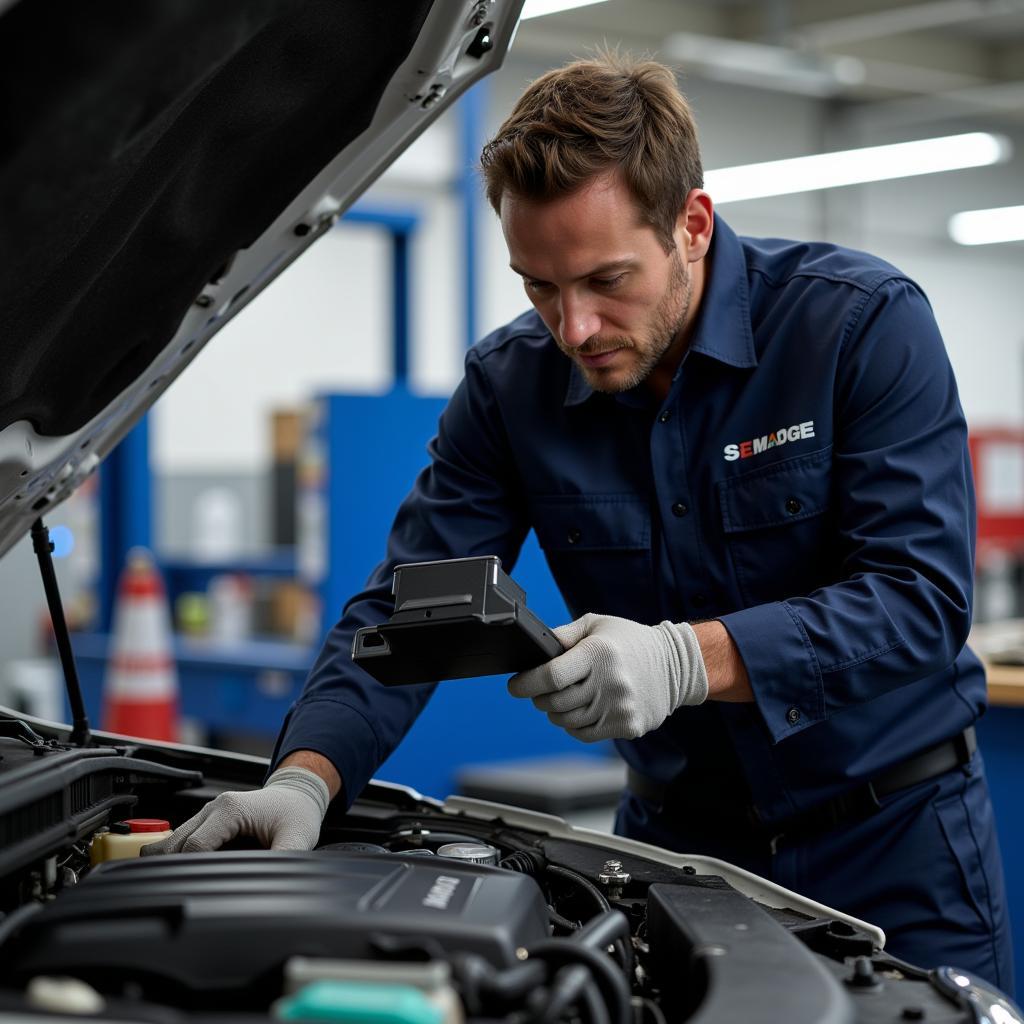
(695, 225)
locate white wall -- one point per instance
(323, 324)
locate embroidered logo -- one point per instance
(756, 445)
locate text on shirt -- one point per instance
(756, 445)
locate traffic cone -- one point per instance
(140, 693)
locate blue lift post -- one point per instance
(471, 139)
(126, 512)
(344, 426)
(400, 225)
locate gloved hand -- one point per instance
(284, 815)
(617, 679)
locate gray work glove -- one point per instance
(617, 679)
(285, 814)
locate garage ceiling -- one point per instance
(902, 62)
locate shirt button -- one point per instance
(573, 536)
(698, 600)
(793, 716)
(793, 506)
(665, 416)
(679, 510)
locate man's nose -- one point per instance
(580, 322)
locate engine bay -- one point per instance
(408, 912)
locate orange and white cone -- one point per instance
(140, 694)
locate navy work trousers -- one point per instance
(926, 868)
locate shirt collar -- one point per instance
(723, 321)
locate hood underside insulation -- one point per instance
(141, 145)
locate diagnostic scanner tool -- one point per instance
(454, 619)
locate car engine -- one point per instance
(410, 911)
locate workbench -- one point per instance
(1005, 685)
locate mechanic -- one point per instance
(746, 463)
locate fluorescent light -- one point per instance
(983, 227)
(856, 166)
(538, 8)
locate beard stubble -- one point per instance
(667, 323)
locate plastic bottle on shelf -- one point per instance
(230, 597)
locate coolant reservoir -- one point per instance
(126, 838)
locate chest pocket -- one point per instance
(779, 527)
(598, 548)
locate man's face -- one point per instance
(615, 302)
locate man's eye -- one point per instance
(608, 282)
(537, 286)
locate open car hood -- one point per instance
(160, 164)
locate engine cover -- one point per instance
(209, 925)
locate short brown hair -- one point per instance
(591, 116)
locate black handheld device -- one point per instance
(454, 619)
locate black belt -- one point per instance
(743, 821)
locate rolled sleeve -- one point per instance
(336, 730)
(782, 666)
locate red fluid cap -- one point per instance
(147, 824)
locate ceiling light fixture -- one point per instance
(856, 166)
(985, 227)
(765, 66)
(538, 8)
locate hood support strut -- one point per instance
(43, 548)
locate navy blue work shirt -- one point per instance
(806, 481)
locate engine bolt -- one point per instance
(613, 878)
